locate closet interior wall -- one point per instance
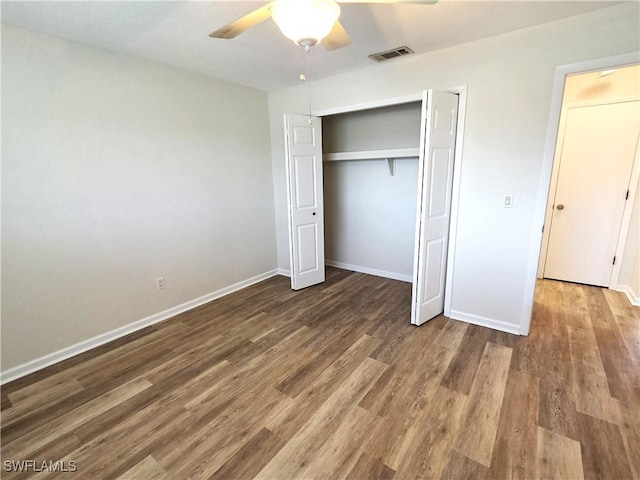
(370, 213)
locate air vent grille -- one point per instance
(389, 54)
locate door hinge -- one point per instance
(614, 260)
(542, 228)
(627, 197)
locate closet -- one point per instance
(370, 164)
(382, 191)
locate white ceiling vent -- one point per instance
(389, 54)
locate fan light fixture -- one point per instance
(306, 22)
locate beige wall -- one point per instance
(509, 79)
(116, 171)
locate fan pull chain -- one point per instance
(306, 69)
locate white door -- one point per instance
(598, 150)
(304, 190)
(435, 182)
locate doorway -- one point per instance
(592, 179)
(438, 174)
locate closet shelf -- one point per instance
(388, 154)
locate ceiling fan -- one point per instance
(306, 22)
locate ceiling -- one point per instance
(176, 33)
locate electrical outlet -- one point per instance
(160, 283)
(508, 201)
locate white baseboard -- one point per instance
(633, 297)
(370, 271)
(485, 322)
(68, 352)
(283, 272)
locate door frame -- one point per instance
(633, 183)
(461, 91)
(547, 167)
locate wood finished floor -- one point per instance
(333, 382)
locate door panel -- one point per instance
(438, 191)
(435, 183)
(305, 196)
(305, 182)
(434, 254)
(597, 154)
(307, 248)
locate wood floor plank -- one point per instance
(180, 387)
(25, 400)
(620, 305)
(121, 448)
(69, 366)
(6, 402)
(295, 413)
(333, 382)
(422, 452)
(35, 439)
(143, 433)
(575, 305)
(300, 449)
(630, 329)
(416, 398)
(556, 409)
(212, 444)
(601, 447)
(558, 457)
(621, 370)
(43, 391)
(337, 456)
(599, 310)
(251, 458)
(147, 469)
(401, 388)
(284, 354)
(590, 388)
(309, 370)
(51, 452)
(370, 468)
(485, 401)
(630, 431)
(397, 336)
(515, 443)
(462, 369)
(460, 467)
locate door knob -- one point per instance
(314, 213)
(560, 207)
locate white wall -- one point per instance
(117, 171)
(369, 214)
(509, 80)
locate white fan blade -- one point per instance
(337, 38)
(244, 23)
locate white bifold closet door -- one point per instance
(303, 140)
(435, 183)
